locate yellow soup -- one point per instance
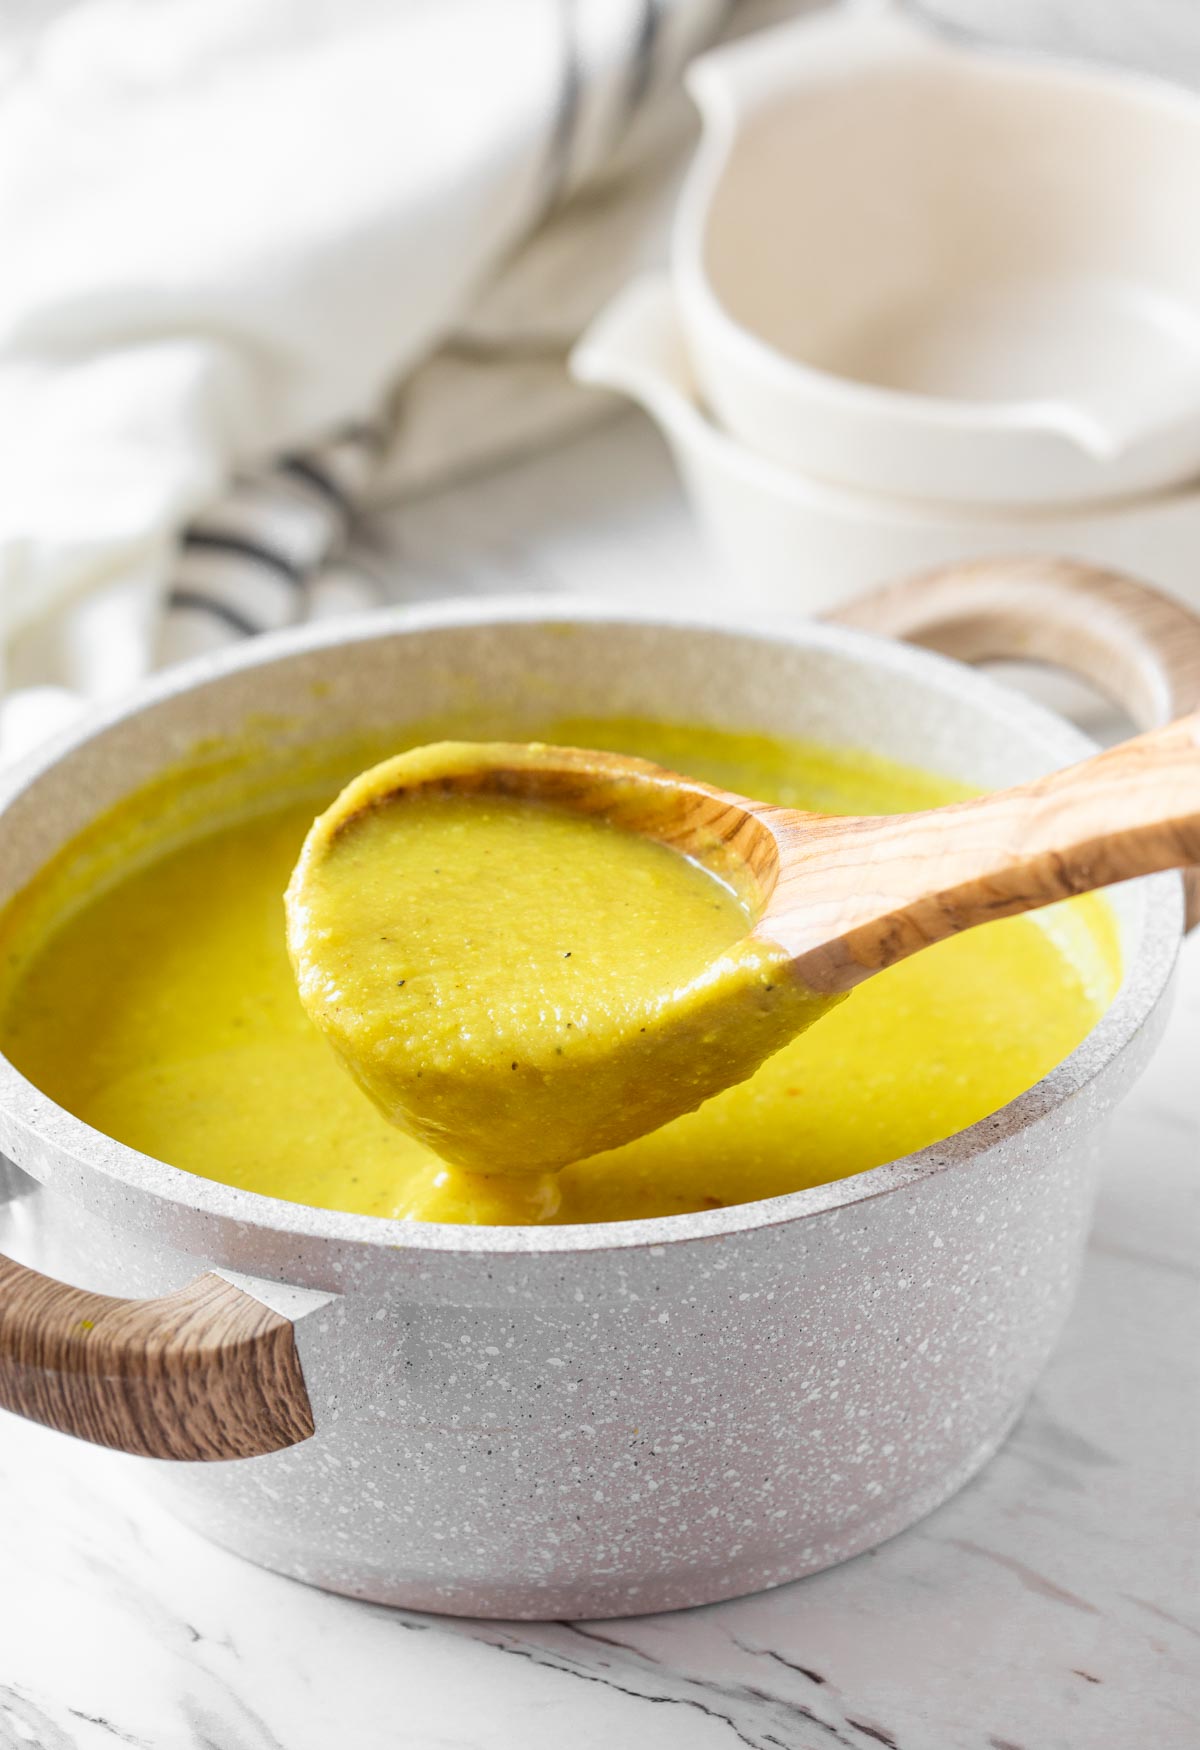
(520, 985)
(163, 1011)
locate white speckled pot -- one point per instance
(618, 1418)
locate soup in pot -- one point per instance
(160, 1007)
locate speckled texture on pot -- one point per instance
(623, 1418)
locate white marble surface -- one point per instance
(1053, 1605)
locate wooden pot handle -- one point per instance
(1139, 647)
(205, 1373)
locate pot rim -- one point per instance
(39, 1120)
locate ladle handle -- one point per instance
(1137, 646)
(872, 892)
(205, 1373)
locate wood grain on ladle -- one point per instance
(855, 895)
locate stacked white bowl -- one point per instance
(925, 302)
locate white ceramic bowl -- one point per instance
(574, 1421)
(791, 543)
(912, 267)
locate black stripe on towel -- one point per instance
(303, 468)
(205, 604)
(213, 541)
(566, 114)
(641, 72)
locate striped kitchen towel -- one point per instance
(268, 263)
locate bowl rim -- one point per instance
(1130, 88)
(666, 388)
(36, 1130)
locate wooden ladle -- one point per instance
(847, 895)
(834, 900)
